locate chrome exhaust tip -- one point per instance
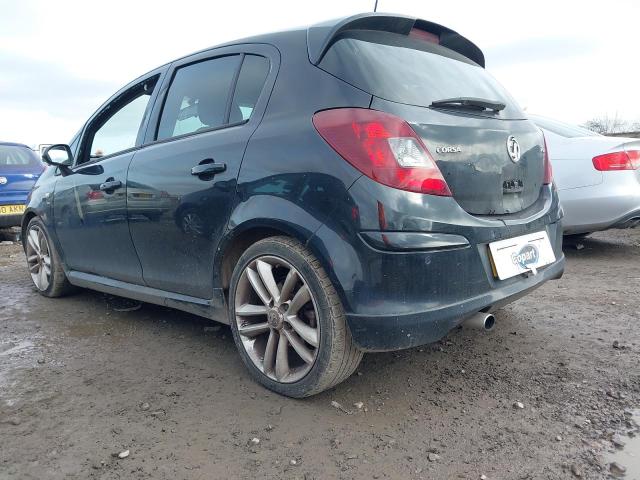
(481, 321)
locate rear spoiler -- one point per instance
(321, 36)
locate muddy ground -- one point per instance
(80, 382)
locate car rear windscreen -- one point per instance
(15, 157)
(563, 129)
(412, 71)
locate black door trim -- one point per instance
(214, 308)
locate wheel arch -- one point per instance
(26, 218)
(243, 236)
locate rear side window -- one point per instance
(198, 97)
(14, 157)
(250, 82)
(411, 70)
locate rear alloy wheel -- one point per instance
(287, 320)
(277, 319)
(44, 262)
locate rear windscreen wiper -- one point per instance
(468, 102)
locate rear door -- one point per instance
(182, 185)
(90, 205)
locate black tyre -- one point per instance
(44, 262)
(287, 320)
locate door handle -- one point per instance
(208, 168)
(110, 185)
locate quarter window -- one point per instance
(250, 82)
(198, 97)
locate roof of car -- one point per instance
(14, 144)
(321, 36)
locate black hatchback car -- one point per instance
(359, 185)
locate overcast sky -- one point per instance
(59, 60)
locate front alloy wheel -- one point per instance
(43, 261)
(38, 258)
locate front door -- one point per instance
(182, 186)
(90, 204)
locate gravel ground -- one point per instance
(81, 382)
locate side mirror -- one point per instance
(60, 156)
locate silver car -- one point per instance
(598, 177)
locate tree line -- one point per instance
(611, 124)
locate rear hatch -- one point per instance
(19, 170)
(491, 156)
(16, 185)
(476, 164)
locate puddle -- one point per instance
(21, 353)
(17, 299)
(13, 347)
(629, 456)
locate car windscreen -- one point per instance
(410, 70)
(18, 158)
(563, 129)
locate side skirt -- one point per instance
(214, 309)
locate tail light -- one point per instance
(548, 170)
(383, 147)
(629, 160)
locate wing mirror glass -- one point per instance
(60, 156)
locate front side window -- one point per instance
(118, 127)
(120, 131)
(198, 97)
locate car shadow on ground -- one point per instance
(598, 246)
(391, 376)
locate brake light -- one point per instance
(383, 147)
(629, 160)
(548, 170)
(424, 35)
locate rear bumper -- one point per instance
(600, 207)
(10, 220)
(409, 267)
(631, 220)
(395, 300)
(12, 198)
(395, 332)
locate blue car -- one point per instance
(20, 167)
